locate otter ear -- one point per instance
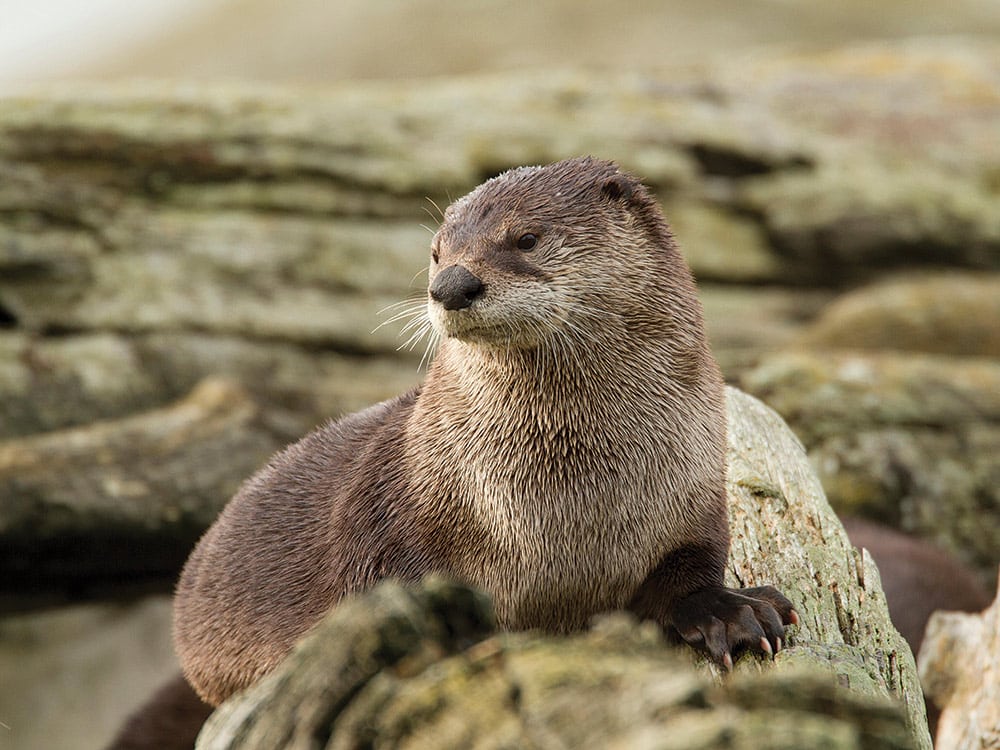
(618, 188)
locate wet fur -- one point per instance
(566, 446)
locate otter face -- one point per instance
(522, 256)
(484, 287)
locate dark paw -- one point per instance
(722, 622)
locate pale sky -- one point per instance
(39, 39)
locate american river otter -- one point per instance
(566, 451)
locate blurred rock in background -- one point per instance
(836, 196)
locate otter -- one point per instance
(565, 452)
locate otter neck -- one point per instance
(564, 377)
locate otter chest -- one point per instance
(563, 545)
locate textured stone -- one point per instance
(949, 313)
(908, 439)
(122, 502)
(960, 671)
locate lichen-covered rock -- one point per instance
(846, 220)
(391, 627)
(123, 501)
(273, 213)
(67, 381)
(960, 671)
(377, 673)
(944, 313)
(620, 685)
(909, 439)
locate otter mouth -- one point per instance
(472, 333)
(459, 326)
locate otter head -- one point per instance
(528, 255)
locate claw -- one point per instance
(765, 646)
(779, 643)
(727, 662)
(793, 617)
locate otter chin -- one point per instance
(565, 452)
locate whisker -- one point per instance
(432, 345)
(412, 301)
(425, 269)
(440, 216)
(415, 312)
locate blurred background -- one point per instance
(204, 206)
(318, 42)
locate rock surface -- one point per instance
(908, 439)
(348, 685)
(945, 313)
(121, 502)
(960, 671)
(399, 685)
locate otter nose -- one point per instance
(455, 287)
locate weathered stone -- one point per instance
(746, 322)
(266, 212)
(918, 577)
(619, 684)
(616, 686)
(51, 383)
(784, 532)
(905, 438)
(391, 627)
(960, 671)
(842, 222)
(124, 501)
(951, 313)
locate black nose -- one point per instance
(454, 287)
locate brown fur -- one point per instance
(565, 453)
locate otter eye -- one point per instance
(434, 254)
(526, 241)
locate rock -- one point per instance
(48, 384)
(918, 578)
(904, 438)
(960, 671)
(618, 684)
(846, 220)
(153, 236)
(272, 213)
(122, 502)
(68, 381)
(746, 322)
(947, 313)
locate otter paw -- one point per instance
(723, 621)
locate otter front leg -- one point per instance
(684, 593)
